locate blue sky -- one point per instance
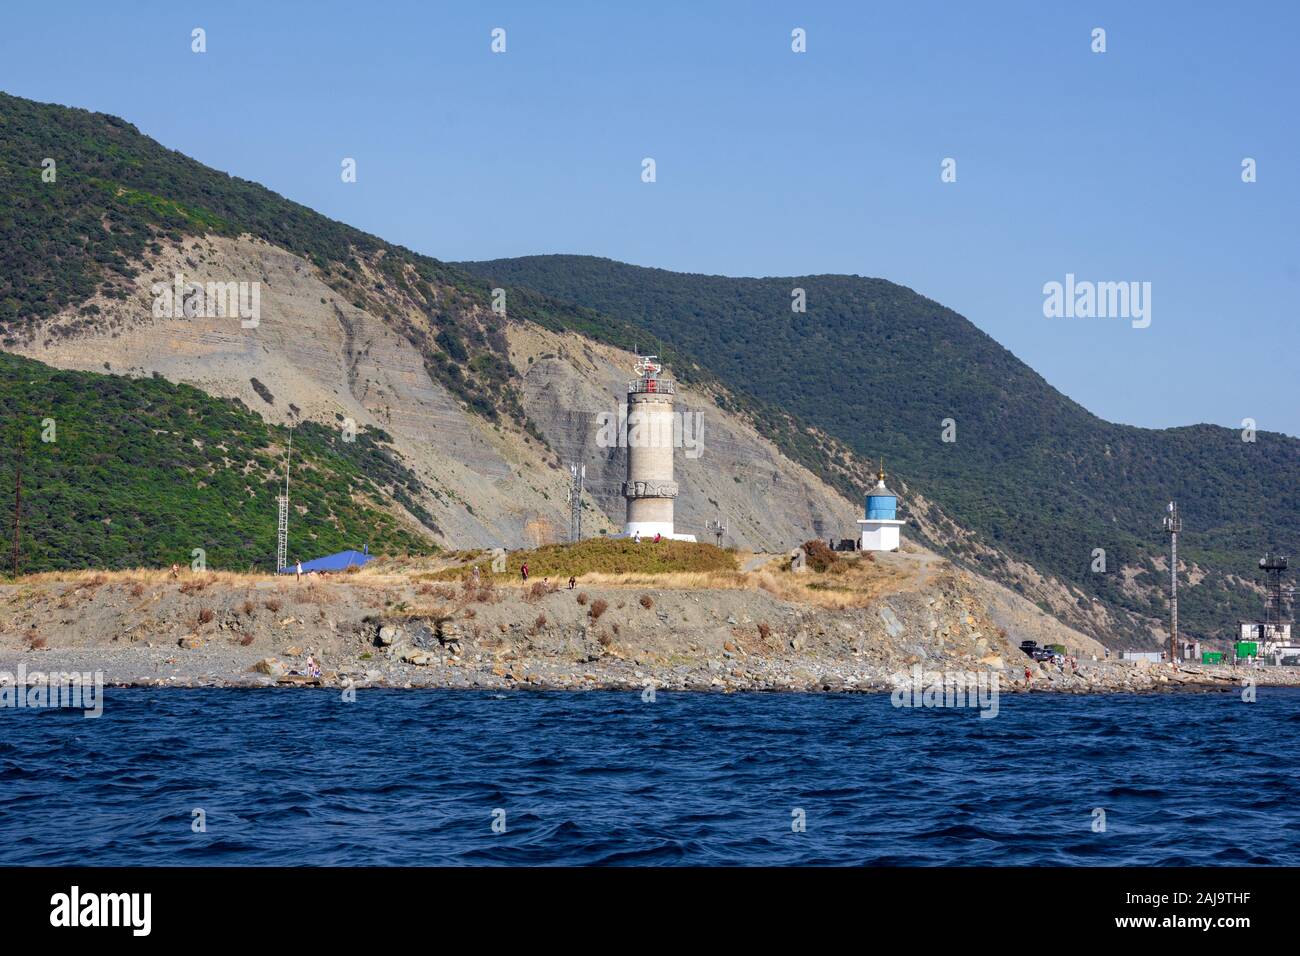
(1118, 166)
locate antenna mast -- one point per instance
(18, 503)
(717, 528)
(1173, 525)
(282, 527)
(579, 473)
(1277, 597)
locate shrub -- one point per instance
(647, 601)
(598, 607)
(764, 630)
(604, 639)
(137, 589)
(246, 640)
(818, 555)
(206, 615)
(273, 605)
(536, 592)
(247, 607)
(314, 593)
(582, 597)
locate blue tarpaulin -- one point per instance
(333, 562)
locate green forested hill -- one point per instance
(871, 363)
(141, 472)
(116, 193)
(1037, 475)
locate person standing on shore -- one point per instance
(523, 570)
(298, 570)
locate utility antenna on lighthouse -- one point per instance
(1173, 525)
(717, 528)
(282, 526)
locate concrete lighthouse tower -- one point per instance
(650, 488)
(880, 526)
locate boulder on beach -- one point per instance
(270, 666)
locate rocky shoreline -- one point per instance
(922, 619)
(402, 667)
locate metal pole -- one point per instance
(1173, 525)
(1173, 596)
(282, 524)
(18, 509)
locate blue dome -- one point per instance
(882, 504)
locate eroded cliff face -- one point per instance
(318, 354)
(724, 468)
(313, 354)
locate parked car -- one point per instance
(1029, 647)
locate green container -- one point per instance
(1247, 648)
(1058, 648)
(1212, 657)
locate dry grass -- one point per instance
(851, 582)
(603, 555)
(538, 591)
(443, 591)
(206, 615)
(273, 605)
(153, 577)
(314, 593)
(598, 607)
(673, 580)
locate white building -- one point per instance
(880, 526)
(650, 488)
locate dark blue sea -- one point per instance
(414, 777)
